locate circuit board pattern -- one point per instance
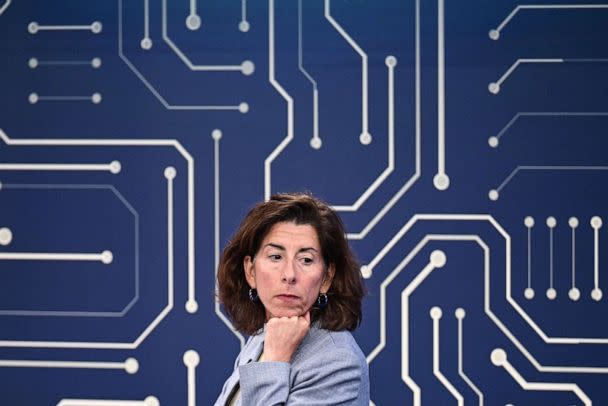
(463, 144)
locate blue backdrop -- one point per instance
(462, 142)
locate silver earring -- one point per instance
(253, 295)
(322, 300)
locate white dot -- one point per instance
(596, 222)
(6, 236)
(494, 34)
(33, 98)
(316, 142)
(438, 258)
(493, 194)
(460, 313)
(115, 167)
(107, 257)
(151, 401)
(493, 141)
(191, 306)
(96, 27)
(365, 138)
(170, 172)
(96, 98)
(436, 313)
(216, 134)
(494, 88)
(191, 358)
(498, 357)
(391, 61)
(131, 365)
(193, 22)
(441, 181)
(529, 293)
(96, 63)
(146, 43)
(244, 26)
(32, 27)
(573, 222)
(551, 294)
(243, 107)
(551, 222)
(33, 63)
(366, 271)
(574, 294)
(247, 67)
(529, 221)
(596, 294)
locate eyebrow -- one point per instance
(280, 247)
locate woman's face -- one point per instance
(288, 271)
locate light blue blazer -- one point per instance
(328, 368)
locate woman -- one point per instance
(289, 279)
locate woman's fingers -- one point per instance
(283, 336)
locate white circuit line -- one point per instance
(508, 295)
(596, 257)
(83, 62)
(418, 129)
(191, 361)
(391, 146)
(191, 304)
(185, 59)
(499, 358)
(50, 256)
(148, 401)
(529, 258)
(521, 168)
(364, 69)
(441, 180)
(315, 111)
(57, 167)
(551, 256)
(147, 19)
(7, 363)
(106, 256)
(152, 89)
(460, 315)
(217, 135)
(290, 104)
(495, 33)
(436, 316)
(279, 149)
(526, 114)
(494, 87)
(35, 27)
(573, 254)
(169, 174)
(5, 6)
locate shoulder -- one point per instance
(324, 348)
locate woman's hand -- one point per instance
(283, 336)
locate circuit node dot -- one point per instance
(193, 22)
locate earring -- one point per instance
(253, 295)
(322, 300)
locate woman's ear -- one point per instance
(328, 278)
(249, 271)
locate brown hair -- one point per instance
(343, 310)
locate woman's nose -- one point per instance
(289, 272)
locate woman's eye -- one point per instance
(307, 261)
(275, 257)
